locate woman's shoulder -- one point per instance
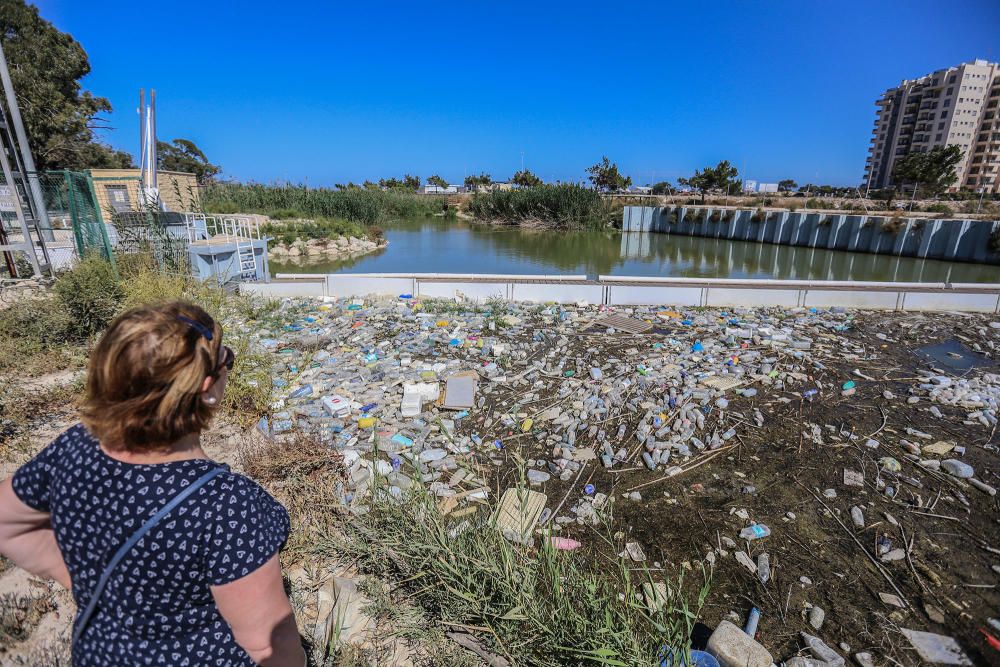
(77, 438)
(73, 446)
(238, 485)
(248, 527)
(238, 497)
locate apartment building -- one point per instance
(955, 106)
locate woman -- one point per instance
(202, 585)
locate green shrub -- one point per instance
(540, 606)
(221, 206)
(939, 207)
(91, 294)
(813, 203)
(285, 214)
(319, 228)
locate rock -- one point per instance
(816, 617)
(822, 651)
(746, 561)
(957, 468)
(864, 659)
(538, 476)
(895, 554)
(858, 517)
(735, 648)
(934, 613)
(800, 661)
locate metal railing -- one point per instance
(222, 229)
(240, 232)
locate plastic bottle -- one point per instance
(755, 532)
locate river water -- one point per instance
(450, 246)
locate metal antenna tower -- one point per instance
(147, 150)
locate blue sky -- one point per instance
(329, 92)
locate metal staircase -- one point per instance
(247, 259)
(21, 193)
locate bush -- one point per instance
(939, 208)
(222, 206)
(42, 322)
(320, 228)
(33, 332)
(813, 203)
(285, 214)
(92, 296)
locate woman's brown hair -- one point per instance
(144, 380)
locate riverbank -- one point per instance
(337, 248)
(781, 417)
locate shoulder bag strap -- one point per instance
(132, 541)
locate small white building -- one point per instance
(749, 186)
(439, 190)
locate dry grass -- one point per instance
(308, 478)
(19, 615)
(21, 408)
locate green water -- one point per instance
(439, 246)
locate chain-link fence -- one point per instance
(158, 234)
(78, 227)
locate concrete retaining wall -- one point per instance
(953, 240)
(623, 291)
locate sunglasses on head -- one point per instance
(226, 359)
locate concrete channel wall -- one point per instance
(624, 291)
(925, 238)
